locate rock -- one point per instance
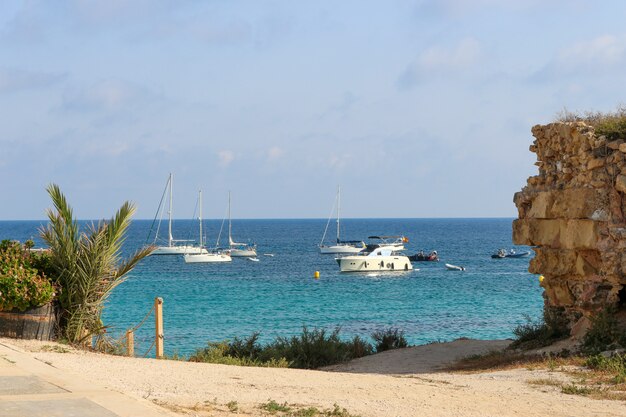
(579, 329)
(596, 163)
(620, 183)
(573, 214)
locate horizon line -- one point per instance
(290, 218)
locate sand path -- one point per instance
(399, 383)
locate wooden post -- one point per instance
(158, 316)
(130, 343)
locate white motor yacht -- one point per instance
(381, 259)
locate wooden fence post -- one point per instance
(158, 315)
(130, 343)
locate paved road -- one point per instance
(31, 388)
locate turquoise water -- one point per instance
(278, 295)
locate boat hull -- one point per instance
(207, 258)
(340, 249)
(178, 250)
(242, 253)
(395, 263)
(451, 267)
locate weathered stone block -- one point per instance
(620, 183)
(541, 206)
(558, 233)
(580, 234)
(578, 203)
(558, 294)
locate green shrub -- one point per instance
(315, 348)
(22, 285)
(615, 364)
(218, 352)
(537, 334)
(603, 333)
(610, 124)
(311, 349)
(388, 339)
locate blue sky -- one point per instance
(416, 108)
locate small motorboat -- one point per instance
(514, 254)
(422, 257)
(451, 267)
(501, 253)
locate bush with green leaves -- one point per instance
(540, 333)
(603, 334)
(309, 350)
(612, 125)
(22, 284)
(388, 339)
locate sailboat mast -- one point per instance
(230, 239)
(169, 212)
(200, 215)
(338, 206)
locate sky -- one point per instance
(416, 108)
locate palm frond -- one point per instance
(88, 265)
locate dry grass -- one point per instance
(495, 361)
(601, 384)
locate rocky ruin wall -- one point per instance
(572, 213)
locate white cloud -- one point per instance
(225, 157)
(603, 50)
(438, 61)
(591, 57)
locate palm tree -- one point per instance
(87, 266)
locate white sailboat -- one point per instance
(174, 246)
(206, 256)
(238, 250)
(341, 246)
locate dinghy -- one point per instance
(451, 267)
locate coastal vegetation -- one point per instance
(86, 266)
(535, 334)
(609, 124)
(311, 349)
(597, 367)
(24, 281)
(289, 410)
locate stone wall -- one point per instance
(572, 213)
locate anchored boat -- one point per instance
(381, 259)
(174, 246)
(240, 250)
(341, 246)
(206, 256)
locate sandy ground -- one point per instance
(397, 383)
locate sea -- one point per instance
(279, 295)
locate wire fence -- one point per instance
(157, 340)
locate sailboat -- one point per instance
(341, 246)
(206, 256)
(238, 250)
(174, 246)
